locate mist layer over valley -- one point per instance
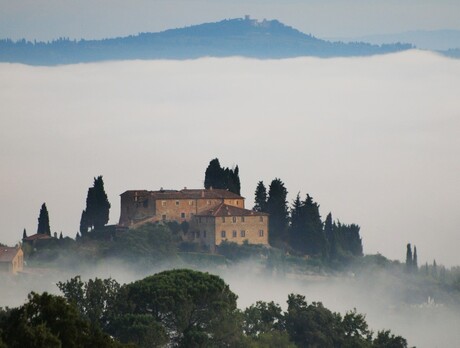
(374, 140)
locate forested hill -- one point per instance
(234, 37)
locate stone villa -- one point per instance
(214, 215)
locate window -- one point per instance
(243, 233)
(199, 220)
(234, 219)
(177, 202)
(190, 202)
(234, 234)
(146, 203)
(242, 219)
(223, 218)
(204, 234)
(198, 234)
(182, 215)
(261, 233)
(163, 203)
(163, 217)
(237, 202)
(261, 218)
(223, 234)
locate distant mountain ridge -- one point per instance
(266, 39)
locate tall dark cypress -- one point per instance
(278, 210)
(44, 221)
(409, 259)
(97, 209)
(24, 234)
(414, 260)
(260, 198)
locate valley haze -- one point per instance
(374, 140)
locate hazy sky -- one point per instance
(50, 19)
(374, 140)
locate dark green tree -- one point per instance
(214, 176)
(60, 236)
(96, 214)
(349, 239)
(44, 221)
(331, 238)
(24, 234)
(306, 230)
(263, 317)
(315, 241)
(48, 321)
(260, 198)
(94, 299)
(415, 260)
(84, 223)
(222, 178)
(196, 309)
(385, 339)
(278, 210)
(409, 259)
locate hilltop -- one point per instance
(266, 39)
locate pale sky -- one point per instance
(51, 19)
(374, 140)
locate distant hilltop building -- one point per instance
(214, 215)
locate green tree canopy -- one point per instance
(48, 321)
(44, 221)
(196, 309)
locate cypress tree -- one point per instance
(84, 223)
(60, 236)
(24, 234)
(44, 221)
(434, 272)
(214, 175)
(260, 198)
(409, 259)
(331, 238)
(414, 260)
(314, 241)
(297, 227)
(278, 210)
(222, 178)
(97, 209)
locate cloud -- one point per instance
(374, 140)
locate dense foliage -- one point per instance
(178, 308)
(43, 221)
(96, 214)
(222, 178)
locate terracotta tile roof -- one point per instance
(37, 236)
(186, 194)
(229, 210)
(7, 254)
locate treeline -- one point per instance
(178, 308)
(299, 227)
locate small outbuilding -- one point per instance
(11, 260)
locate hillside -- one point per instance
(267, 39)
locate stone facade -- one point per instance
(140, 206)
(229, 223)
(11, 260)
(214, 215)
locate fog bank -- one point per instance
(374, 140)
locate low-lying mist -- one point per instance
(389, 300)
(373, 140)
